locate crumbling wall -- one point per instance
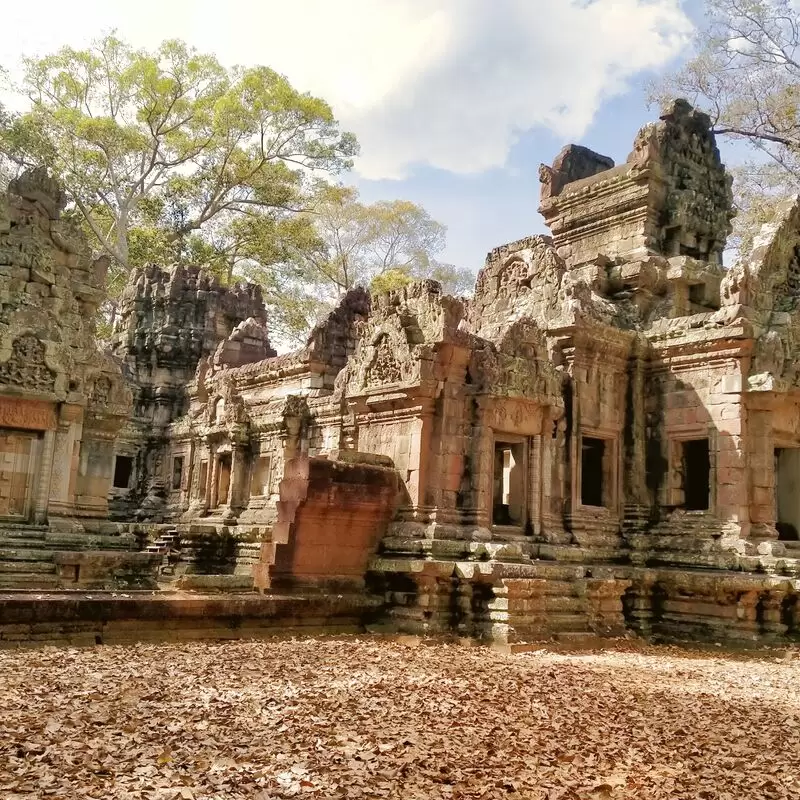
(672, 196)
(169, 322)
(54, 381)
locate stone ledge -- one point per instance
(28, 618)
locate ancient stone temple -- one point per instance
(604, 438)
(62, 401)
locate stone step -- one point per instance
(581, 639)
(13, 533)
(561, 604)
(7, 567)
(8, 543)
(566, 622)
(25, 554)
(76, 541)
(28, 580)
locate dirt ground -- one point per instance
(370, 718)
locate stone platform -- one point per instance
(89, 618)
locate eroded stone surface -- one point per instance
(604, 437)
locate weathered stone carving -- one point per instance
(26, 366)
(674, 160)
(383, 368)
(607, 435)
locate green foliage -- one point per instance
(348, 243)
(394, 278)
(746, 73)
(167, 155)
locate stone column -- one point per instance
(483, 476)
(42, 488)
(213, 485)
(238, 477)
(552, 508)
(759, 462)
(62, 465)
(535, 487)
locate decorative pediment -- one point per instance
(383, 368)
(516, 367)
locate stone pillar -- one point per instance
(213, 478)
(42, 489)
(236, 487)
(522, 602)
(535, 487)
(641, 609)
(772, 622)
(760, 462)
(604, 605)
(63, 466)
(483, 475)
(747, 626)
(552, 481)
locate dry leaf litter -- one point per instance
(356, 718)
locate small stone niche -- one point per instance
(177, 472)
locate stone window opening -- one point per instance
(177, 472)
(597, 472)
(508, 504)
(787, 493)
(123, 471)
(259, 479)
(697, 294)
(696, 474)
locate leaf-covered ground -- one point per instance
(356, 718)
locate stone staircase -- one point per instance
(40, 557)
(27, 559)
(167, 545)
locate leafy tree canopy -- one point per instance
(168, 157)
(167, 154)
(348, 243)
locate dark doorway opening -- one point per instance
(123, 468)
(593, 453)
(696, 475)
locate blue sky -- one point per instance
(455, 102)
(499, 205)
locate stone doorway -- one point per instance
(19, 455)
(787, 493)
(508, 505)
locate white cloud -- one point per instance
(449, 83)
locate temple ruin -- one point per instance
(604, 438)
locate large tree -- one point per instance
(160, 152)
(746, 73)
(341, 243)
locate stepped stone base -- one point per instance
(76, 618)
